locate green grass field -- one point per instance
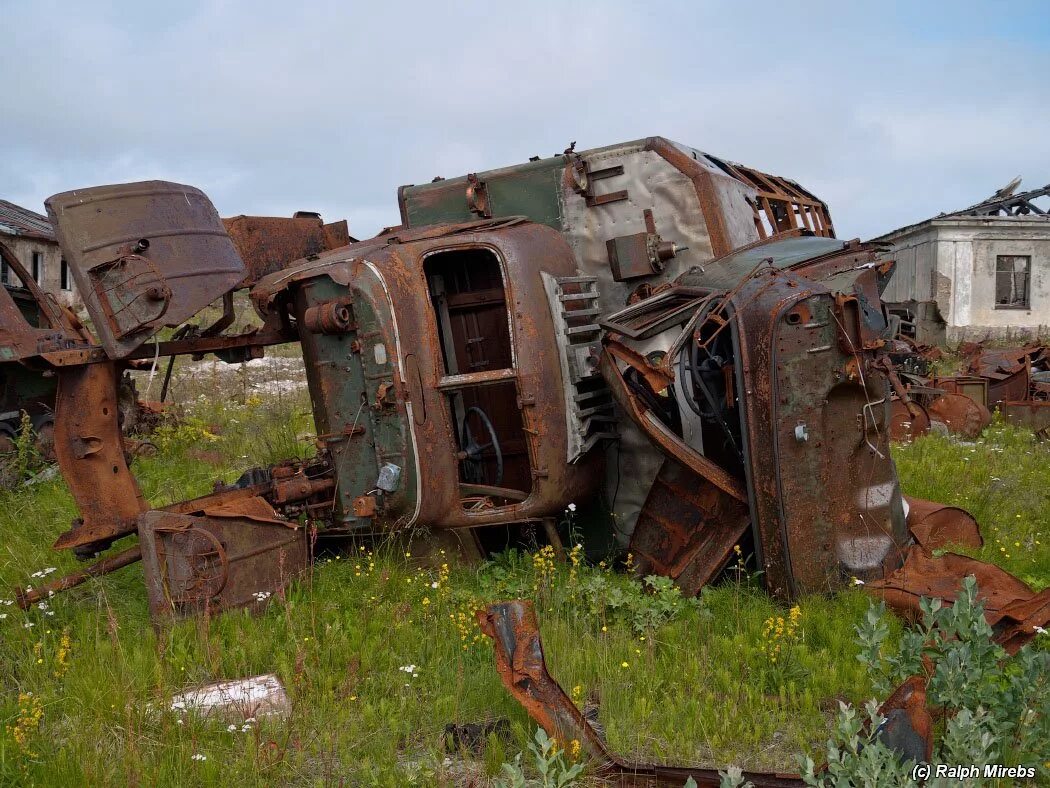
(676, 681)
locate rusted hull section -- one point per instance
(144, 255)
(519, 660)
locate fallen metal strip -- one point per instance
(519, 660)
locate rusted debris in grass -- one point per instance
(520, 662)
(1014, 610)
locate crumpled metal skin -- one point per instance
(936, 525)
(519, 660)
(1010, 606)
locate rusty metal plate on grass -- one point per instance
(144, 255)
(1010, 606)
(197, 564)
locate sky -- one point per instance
(890, 112)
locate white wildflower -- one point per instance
(199, 756)
(572, 507)
(231, 728)
(1039, 629)
(434, 584)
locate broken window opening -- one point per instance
(467, 291)
(706, 368)
(1012, 275)
(468, 294)
(37, 267)
(64, 276)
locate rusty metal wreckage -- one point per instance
(523, 335)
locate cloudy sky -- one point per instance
(892, 112)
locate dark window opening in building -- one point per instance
(1012, 281)
(38, 267)
(64, 276)
(5, 274)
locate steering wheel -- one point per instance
(474, 468)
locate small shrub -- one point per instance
(549, 762)
(994, 708)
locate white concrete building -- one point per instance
(30, 237)
(982, 272)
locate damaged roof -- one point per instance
(16, 220)
(1006, 202)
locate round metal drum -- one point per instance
(960, 414)
(908, 421)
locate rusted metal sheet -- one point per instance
(270, 243)
(212, 563)
(1034, 414)
(960, 414)
(936, 525)
(1011, 607)
(144, 256)
(687, 529)
(519, 660)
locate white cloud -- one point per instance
(891, 114)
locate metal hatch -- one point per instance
(144, 255)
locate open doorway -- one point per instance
(469, 298)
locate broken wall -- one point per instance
(953, 263)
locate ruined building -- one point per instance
(30, 237)
(982, 272)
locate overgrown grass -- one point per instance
(675, 681)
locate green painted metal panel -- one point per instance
(345, 372)
(532, 190)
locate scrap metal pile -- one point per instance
(1013, 381)
(646, 330)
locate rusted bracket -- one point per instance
(90, 452)
(583, 178)
(657, 378)
(478, 197)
